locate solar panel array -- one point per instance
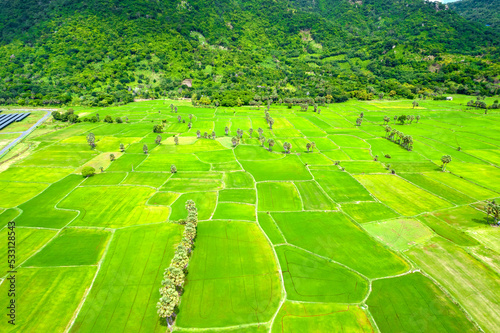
(7, 119)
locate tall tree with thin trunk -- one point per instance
(445, 159)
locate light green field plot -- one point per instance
(317, 317)
(192, 185)
(313, 197)
(323, 144)
(256, 153)
(154, 179)
(110, 144)
(58, 159)
(472, 190)
(489, 237)
(348, 141)
(190, 147)
(364, 167)
(218, 156)
(231, 166)
(446, 231)
(450, 194)
(205, 202)
(278, 197)
(475, 286)
(238, 195)
(125, 292)
(127, 162)
(52, 216)
(106, 178)
(72, 247)
(487, 256)
(413, 166)
(314, 279)
(8, 215)
(398, 194)
(98, 162)
(232, 264)
(332, 235)
(163, 198)
(270, 228)
(35, 175)
(341, 186)
(399, 234)
(14, 193)
(364, 212)
(336, 155)
(28, 241)
(114, 206)
(163, 162)
(197, 175)
(413, 303)
(463, 217)
(288, 168)
(315, 159)
(484, 175)
(234, 211)
(64, 286)
(358, 154)
(490, 155)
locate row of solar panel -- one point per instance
(7, 119)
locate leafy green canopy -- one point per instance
(102, 52)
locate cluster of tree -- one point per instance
(402, 119)
(174, 276)
(405, 141)
(478, 103)
(493, 209)
(68, 116)
(225, 54)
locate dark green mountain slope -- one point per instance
(100, 52)
(485, 12)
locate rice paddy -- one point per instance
(354, 234)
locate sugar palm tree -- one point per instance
(234, 141)
(176, 140)
(445, 159)
(418, 118)
(395, 118)
(386, 119)
(213, 135)
(158, 139)
(262, 140)
(226, 130)
(308, 146)
(250, 131)
(270, 142)
(173, 169)
(205, 135)
(179, 119)
(271, 123)
(122, 147)
(260, 130)
(111, 157)
(359, 121)
(198, 134)
(145, 149)
(388, 129)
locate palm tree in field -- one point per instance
(145, 149)
(111, 157)
(388, 129)
(190, 124)
(173, 169)
(445, 159)
(171, 108)
(176, 275)
(270, 142)
(198, 134)
(313, 145)
(418, 118)
(319, 111)
(250, 131)
(176, 140)
(226, 130)
(361, 115)
(271, 123)
(415, 103)
(190, 116)
(285, 146)
(122, 147)
(386, 119)
(179, 119)
(205, 135)
(262, 140)
(493, 209)
(410, 143)
(175, 109)
(234, 141)
(401, 136)
(213, 135)
(158, 139)
(411, 117)
(260, 130)
(91, 140)
(267, 117)
(395, 118)
(359, 121)
(308, 146)
(239, 132)
(289, 147)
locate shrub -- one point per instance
(108, 119)
(88, 171)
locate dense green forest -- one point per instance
(485, 12)
(104, 52)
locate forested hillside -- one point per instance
(103, 52)
(485, 12)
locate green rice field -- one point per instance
(358, 234)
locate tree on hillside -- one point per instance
(171, 108)
(445, 159)
(158, 139)
(361, 115)
(88, 171)
(395, 118)
(175, 109)
(388, 129)
(179, 119)
(402, 119)
(213, 135)
(91, 140)
(270, 142)
(190, 116)
(145, 149)
(411, 117)
(415, 103)
(205, 135)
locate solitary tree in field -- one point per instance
(91, 140)
(234, 141)
(213, 135)
(145, 149)
(190, 116)
(287, 146)
(173, 169)
(111, 157)
(445, 159)
(308, 146)
(179, 119)
(270, 142)
(418, 118)
(319, 111)
(190, 124)
(415, 103)
(262, 140)
(493, 209)
(171, 108)
(359, 121)
(260, 130)
(313, 145)
(205, 135)
(271, 123)
(226, 130)
(102, 169)
(122, 147)
(88, 171)
(250, 131)
(198, 134)
(361, 115)
(176, 140)
(395, 118)
(158, 139)
(175, 109)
